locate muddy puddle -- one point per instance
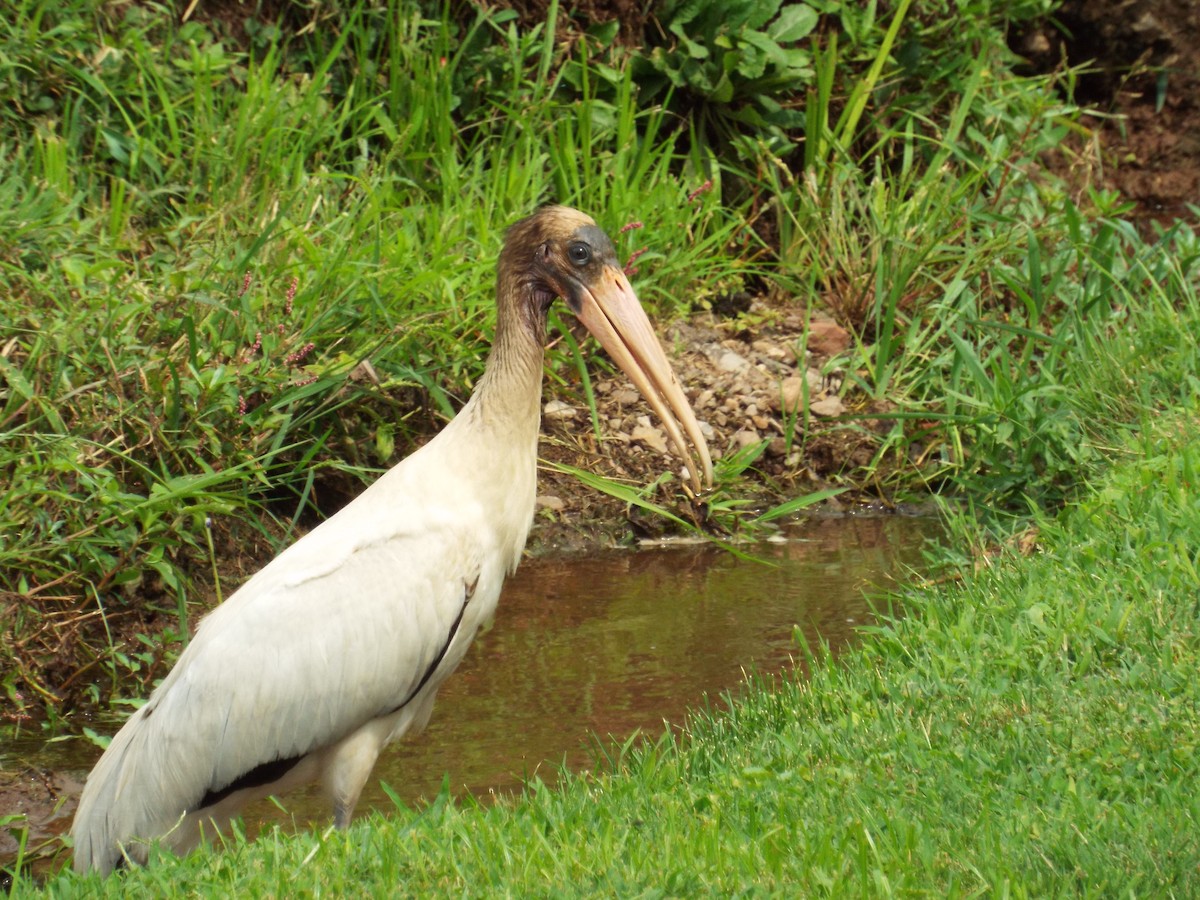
(602, 645)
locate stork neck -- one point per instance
(509, 393)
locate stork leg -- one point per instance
(348, 764)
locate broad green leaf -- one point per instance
(794, 22)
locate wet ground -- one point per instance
(606, 645)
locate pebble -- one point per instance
(828, 406)
(557, 409)
(827, 338)
(745, 438)
(769, 349)
(791, 390)
(650, 436)
(732, 362)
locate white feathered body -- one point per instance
(333, 649)
(339, 644)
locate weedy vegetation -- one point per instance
(246, 268)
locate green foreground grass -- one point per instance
(1028, 731)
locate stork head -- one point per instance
(560, 252)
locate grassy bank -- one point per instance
(240, 279)
(1027, 731)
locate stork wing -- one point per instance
(343, 627)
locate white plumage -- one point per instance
(339, 644)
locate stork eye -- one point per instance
(579, 253)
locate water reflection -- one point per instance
(620, 641)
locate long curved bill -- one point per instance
(612, 312)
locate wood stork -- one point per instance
(338, 645)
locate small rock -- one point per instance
(760, 422)
(707, 430)
(732, 362)
(828, 406)
(777, 447)
(549, 501)
(827, 338)
(705, 399)
(558, 410)
(651, 437)
(751, 409)
(769, 349)
(791, 390)
(746, 438)
(625, 396)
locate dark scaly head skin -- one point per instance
(560, 252)
(553, 253)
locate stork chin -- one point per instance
(339, 644)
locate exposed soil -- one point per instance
(1141, 80)
(746, 386)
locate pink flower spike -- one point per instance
(253, 348)
(703, 189)
(629, 267)
(291, 295)
(630, 227)
(298, 356)
(245, 285)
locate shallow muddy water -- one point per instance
(603, 645)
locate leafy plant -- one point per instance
(734, 67)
